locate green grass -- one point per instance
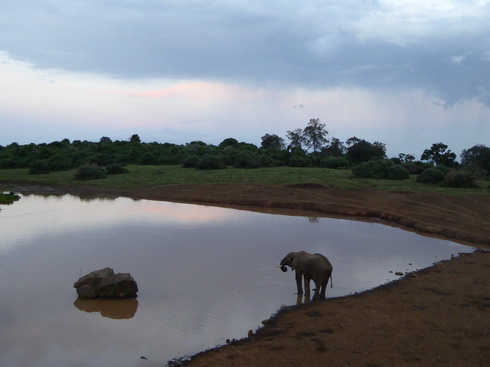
(148, 176)
(9, 198)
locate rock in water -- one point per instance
(120, 285)
(104, 283)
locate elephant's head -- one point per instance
(288, 260)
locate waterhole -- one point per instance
(205, 275)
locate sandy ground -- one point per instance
(438, 316)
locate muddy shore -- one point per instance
(439, 316)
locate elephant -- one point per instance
(314, 267)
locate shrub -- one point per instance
(380, 169)
(116, 169)
(266, 161)
(89, 172)
(59, 162)
(433, 175)
(334, 162)
(8, 163)
(460, 179)
(190, 161)
(372, 169)
(209, 161)
(297, 161)
(38, 167)
(246, 160)
(397, 172)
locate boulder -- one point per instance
(104, 283)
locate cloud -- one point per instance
(380, 69)
(311, 43)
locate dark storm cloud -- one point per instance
(310, 45)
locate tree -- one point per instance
(296, 138)
(406, 157)
(229, 142)
(315, 135)
(361, 150)
(272, 142)
(438, 154)
(105, 140)
(135, 139)
(478, 155)
(335, 149)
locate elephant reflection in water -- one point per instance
(314, 267)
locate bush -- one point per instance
(190, 161)
(433, 175)
(89, 172)
(334, 162)
(116, 169)
(8, 163)
(460, 179)
(246, 160)
(38, 167)
(380, 169)
(59, 162)
(210, 162)
(297, 161)
(266, 161)
(397, 172)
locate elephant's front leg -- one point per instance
(299, 287)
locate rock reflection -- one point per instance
(118, 309)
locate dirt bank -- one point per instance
(437, 317)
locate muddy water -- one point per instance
(205, 275)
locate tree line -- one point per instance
(305, 147)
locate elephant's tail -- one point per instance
(331, 280)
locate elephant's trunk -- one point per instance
(283, 268)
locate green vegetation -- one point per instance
(89, 172)
(381, 169)
(310, 157)
(150, 176)
(6, 199)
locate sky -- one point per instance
(405, 73)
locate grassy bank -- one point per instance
(150, 176)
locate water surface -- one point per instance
(205, 275)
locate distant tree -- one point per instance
(296, 139)
(105, 140)
(406, 157)
(351, 141)
(478, 155)
(439, 154)
(135, 139)
(229, 142)
(272, 142)
(361, 150)
(335, 149)
(195, 143)
(315, 135)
